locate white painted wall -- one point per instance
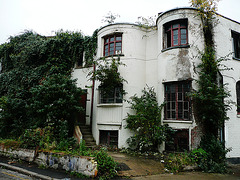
(146, 63)
(224, 48)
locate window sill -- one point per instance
(116, 55)
(110, 124)
(110, 105)
(175, 47)
(238, 115)
(238, 59)
(177, 121)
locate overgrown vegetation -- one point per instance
(36, 89)
(38, 98)
(107, 72)
(149, 133)
(210, 95)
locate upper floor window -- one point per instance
(175, 33)
(111, 96)
(112, 45)
(238, 96)
(177, 102)
(236, 44)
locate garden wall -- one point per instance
(80, 164)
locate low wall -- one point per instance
(81, 164)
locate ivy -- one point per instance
(211, 110)
(107, 72)
(36, 88)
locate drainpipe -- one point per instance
(93, 86)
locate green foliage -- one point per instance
(54, 100)
(108, 74)
(36, 89)
(146, 122)
(199, 156)
(215, 158)
(33, 138)
(78, 175)
(106, 165)
(210, 95)
(175, 162)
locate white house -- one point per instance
(163, 57)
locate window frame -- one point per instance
(115, 98)
(107, 43)
(173, 101)
(170, 28)
(238, 97)
(236, 44)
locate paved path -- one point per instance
(148, 169)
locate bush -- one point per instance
(175, 162)
(106, 165)
(215, 158)
(146, 122)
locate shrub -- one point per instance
(175, 162)
(215, 158)
(146, 122)
(106, 165)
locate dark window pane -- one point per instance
(168, 106)
(186, 116)
(173, 105)
(111, 39)
(180, 96)
(168, 114)
(119, 38)
(173, 114)
(106, 40)
(183, 41)
(173, 98)
(183, 32)
(180, 106)
(168, 97)
(175, 25)
(169, 44)
(185, 105)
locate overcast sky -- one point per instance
(47, 16)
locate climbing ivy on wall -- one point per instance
(209, 97)
(35, 67)
(107, 72)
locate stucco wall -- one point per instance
(147, 62)
(224, 48)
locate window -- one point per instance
(177, 103)
(236, 44)
(176, 33)
(179, 141)
(238, 96)
(113, 45)
(109, 138)
(112, 96)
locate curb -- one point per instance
(24, 171)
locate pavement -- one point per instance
(132, 167)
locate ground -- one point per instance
(144, 168)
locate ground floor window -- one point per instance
(177, 101)
(179, 141)
(109, 138)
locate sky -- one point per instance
(48, 16)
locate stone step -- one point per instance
(87, 136)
